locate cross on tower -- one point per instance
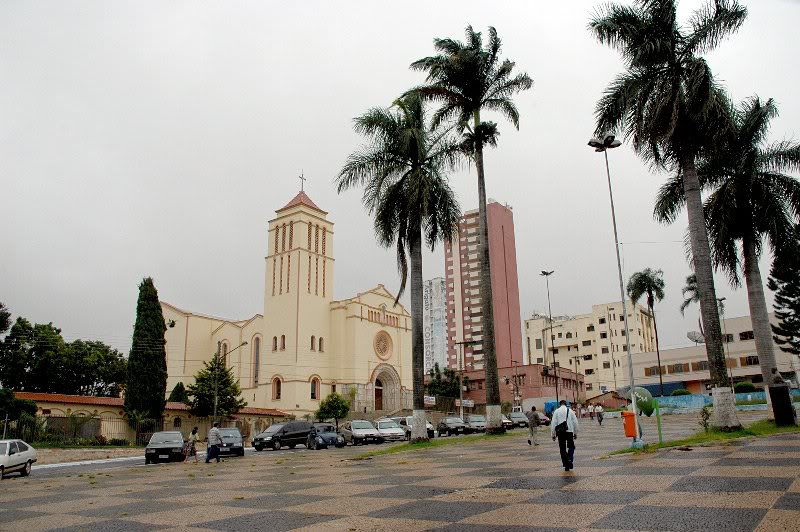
(302, 181)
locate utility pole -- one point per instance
(546, 274)
(461, 365)
(216, 379)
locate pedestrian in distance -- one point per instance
(564, 426)
(533, 425)
(214, 441)
(591, 411)
(191, 446)
(599, 411)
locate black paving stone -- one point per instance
(646, 470)
(736, 484)
(588, 497)
(681, 519)
(10, 515)
(789, 501)
(394, 480)
(757, 462)
(532, 483)
(435, 510)
(274, 521)
(410, 492)
(503, 472)
(459, 527)
(112, 525)
(271, 502)
(47, 497)
(132, 508)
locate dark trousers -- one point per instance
(213, 452)
(566, 444)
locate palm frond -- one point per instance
(712, 23)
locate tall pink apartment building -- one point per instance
(463, 270)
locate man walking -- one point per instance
(599, 411)
(591, 411)
(564, 426)
(533, 425)
(214, 441)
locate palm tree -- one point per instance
(669, 104)
(466, 78)
(403, 172)
(689, 293)
(651, 283)
(752, 202)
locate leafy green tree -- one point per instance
(30, 357)
(443, 383)
(650, 283)
(752, 203)
(671, 107)
(14, 355)
(92, 368)
(215, 383)
(146, 384)
(13, 406)
(5, 319)
(333, 407)
(403, 172)
(467, 78)
(785, 282)
(179, 394)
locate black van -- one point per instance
(289, 434)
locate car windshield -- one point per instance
(325, 428)
(273, 429)
(3, 449)
(388, 425)
(230, 433)
(166, 437)
(477, 419)
(453, 420)
(362, 425)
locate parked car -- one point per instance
(164, 446)
(408, 422)
(389, 430)
(291, 433)
(16, 455)
(507, 423)
(360, 431)
(232, 442)
(543, 419)
(475, 423)
(450, 426)
(518, 419)
(323, 435)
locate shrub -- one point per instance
(505, 407)
(681, 391)
(744, 387)
(705, 417)
(118, 442)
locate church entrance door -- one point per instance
(378, 395)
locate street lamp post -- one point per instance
(461, 364)
(216, 373)
(603, 145)
(546, 274)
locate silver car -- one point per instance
(360, 431)
(390, 430)
(16, 456)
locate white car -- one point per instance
(16, 455)
(360, 431)
(390, 430)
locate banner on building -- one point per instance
(430, 400)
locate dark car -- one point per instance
(475, 423)
(164, 447)
(232, 442)
(291, 434)
(507, 423)
(322, 436)
(451, 425)
(518, 419)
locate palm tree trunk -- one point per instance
(658, 352)
(419, 430)
(724, 402)
(759, 314)
(493, 415)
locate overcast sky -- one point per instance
(158, 138)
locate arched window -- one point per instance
(276, 388)
(274, 343)
(321, 346)
(225, 352)
(283, 342)
(315, 388)
(176, 423)
(256, 358)
(313, 343)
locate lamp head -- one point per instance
(546, 273)
(607, 142)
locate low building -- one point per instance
(522, 383)
(687, 367)
(593, 344)
(608, 400)
(108, 419)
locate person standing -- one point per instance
(591, 411)
(564, 426)
(599, 411)
(191, 446)
(533, 425)
(214, 441)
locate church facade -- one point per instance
(306, 344)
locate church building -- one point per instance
(306, 344)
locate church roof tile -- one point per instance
(301, 199)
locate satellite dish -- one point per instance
(696, 337)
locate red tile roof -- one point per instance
(301, 199)
(118, 401)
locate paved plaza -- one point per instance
(499, 485)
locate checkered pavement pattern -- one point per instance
(504, 484)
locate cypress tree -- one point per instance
(179, 394)
(147, 363)
(785, 281)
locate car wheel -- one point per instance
(146, 461)
(276, 445)
(2, 472)
(26, 470)
(241, 453)
(379, 441)
(258, 448)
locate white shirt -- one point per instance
(561, 414)
(591, 408)
(598, 409)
